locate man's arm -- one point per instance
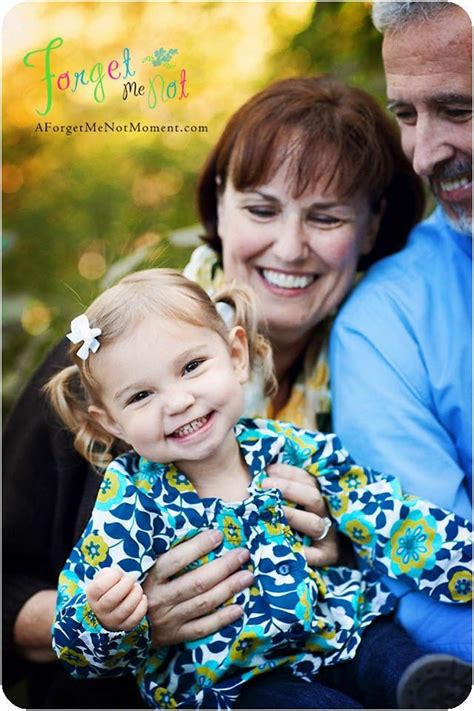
(383, 408)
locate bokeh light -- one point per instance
(36, 318)
(86, 206)
(92, 265)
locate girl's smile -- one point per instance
(196, 427)
(180, 393)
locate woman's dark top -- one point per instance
(48, 495)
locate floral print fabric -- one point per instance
(293, 615)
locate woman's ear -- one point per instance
(239, 353)
(105, 421)
(373, 226)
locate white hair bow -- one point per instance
(226, 312)
(81, 331)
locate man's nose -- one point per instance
(431, 145)
(291, 243)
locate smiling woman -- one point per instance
(306, 185)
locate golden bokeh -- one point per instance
(36, 318)
(92, 265)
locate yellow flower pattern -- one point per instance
(94, 549)
(178, 480)
(353, 479)
(292, 614)
(164, 699)
(460, 586)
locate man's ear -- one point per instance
(105, 421)
(373, 226)
(239, 353)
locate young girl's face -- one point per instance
(172, 390)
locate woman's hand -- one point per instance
(116, 599)
(185, 608)
(299, 487)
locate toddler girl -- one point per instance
(158, 374)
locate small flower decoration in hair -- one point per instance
(81, 331)
(226, 312)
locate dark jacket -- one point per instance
(48, 494)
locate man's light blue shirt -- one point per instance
(401, 357)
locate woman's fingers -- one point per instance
(305, 522)
(177, 559)
(302, 494)
(300, 488)
(288, 471)
(325, 552)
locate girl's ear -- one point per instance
(373, 226)
(106, 422)
(239, 353)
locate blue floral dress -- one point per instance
(293, 615)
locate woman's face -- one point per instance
(298, 254)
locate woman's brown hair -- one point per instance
(323, 131)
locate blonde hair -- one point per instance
(169, 295)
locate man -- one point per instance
(401, 347)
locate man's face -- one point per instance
(428, 73)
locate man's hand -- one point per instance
(299, 487)
(185, 608)
(116, 599)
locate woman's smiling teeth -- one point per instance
(288, 281)
(190, 427)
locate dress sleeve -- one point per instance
(396, 534)
(399, 535)
(123, 531)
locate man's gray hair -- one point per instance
(394, 16)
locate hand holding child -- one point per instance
(116, 599)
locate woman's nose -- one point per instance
(291, 243)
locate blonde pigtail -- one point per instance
(67, 396)
(246, 314)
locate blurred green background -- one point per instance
(82, 209)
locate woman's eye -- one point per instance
(324, 220)
(142, 395)
(192, 365)
(261, 211)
